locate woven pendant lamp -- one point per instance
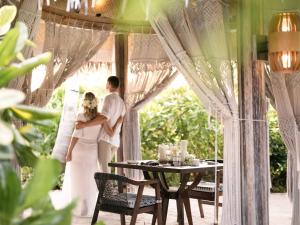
(284, 42)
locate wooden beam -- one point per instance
(57, 15)
(252, 107)
(121, 62)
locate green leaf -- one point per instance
(10, 97)
(50, 217)
(10, 190)
(15, 70)
(34, 114)
(6, 134)
(23, 150)
(46, 173)
(6, 152)
(24, 155)
(29, 132)
(18, 138)
(30, 43)
(8, 46)
(7, 15)
(23, 36)
(13, 43)
(4, 29)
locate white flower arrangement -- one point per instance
(91, 104)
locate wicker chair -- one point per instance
(206, 192)
(113, 197)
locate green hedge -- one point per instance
(178, 115)
(278, 155)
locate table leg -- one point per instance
(180, 212)
(165, 207)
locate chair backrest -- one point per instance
(220, 176)
(112, 188)
(104, 177)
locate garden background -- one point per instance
(174, 115)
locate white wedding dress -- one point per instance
(79, 183)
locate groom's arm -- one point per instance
(100, 119)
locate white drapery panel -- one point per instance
(71, 47)
(195, 41)
(66, 124)
(286, 91)
(149, 72)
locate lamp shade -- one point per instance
(284, 42)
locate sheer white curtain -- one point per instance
(285, 91)
(71, 47)
(149, 72)
(195, 40)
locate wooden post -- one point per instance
(121, 61)
(254, 155)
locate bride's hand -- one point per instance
(68, 157)
(120, 119)
(79, 125)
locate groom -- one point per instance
(113, 107)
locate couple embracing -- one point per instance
(93, 144)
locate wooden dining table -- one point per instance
(190, 176)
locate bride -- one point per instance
(81, 158)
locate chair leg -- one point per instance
(201, 208)
(154, 217)
(158, 209)
(95, 215)
(122, 217)
(133, 218)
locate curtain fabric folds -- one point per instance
(285, 90)
(149, 72)
(195, 40)
(30, 14)
(71, 47)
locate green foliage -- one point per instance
(278, 155)
(31, 205)
(47, 135)
(178, 115)
(33, 199)
(12, 142)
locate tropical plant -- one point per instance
(31, 204)
(177, 115)
(278, 155)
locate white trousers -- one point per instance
(106, 152)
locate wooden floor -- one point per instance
(280, 213)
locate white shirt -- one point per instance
(113, 107)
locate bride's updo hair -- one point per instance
(90, 106)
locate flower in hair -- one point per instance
(91, 104)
